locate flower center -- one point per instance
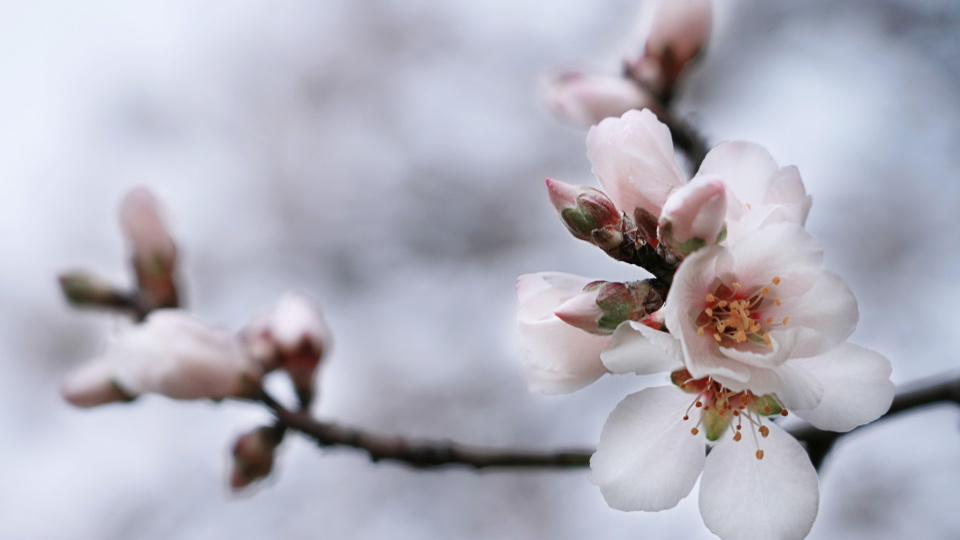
(732, 316)
(720, 408)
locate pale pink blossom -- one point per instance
(153, 250)
(557, 357)
(632, 157)
(694, 215)
(171, 353)
(584, 100)
(759, 192)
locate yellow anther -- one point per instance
(737, 436)
(765, 291)
(776, 280)
(776, 301)
(759, 454)
(785, 319)
(711, 298)
(769, 345)
(769, 320)
(736, 285)
(717, 337)
(764, 431)
(694, 431)
(740, 336)
(722, 303)
(709, 312)
(748, 206)
(700, 331)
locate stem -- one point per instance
(424, 454)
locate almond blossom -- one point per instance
(172, 353)
(756, 328)
(584, 100)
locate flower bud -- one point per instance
(84, 289)
(292, 336)
(603, 305)
(253, 456)
(587, 213)
(694, 215)
(92, 385)
(153, 251)
(679, 30)
(584, 100)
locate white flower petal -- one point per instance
(745, 498)
(747, 168)
(633, 159)
(91, 385)
(783, 250)
(856, 387)
(637, 348)
(647, 459)
(557, 358)
(829, 309)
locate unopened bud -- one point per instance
(584, 100)
(91, 385)
(253, 456)
(603, 305)
(85, 289)
(587, 213)
(693, 216)
(679, 30)
(292, 336)
(153, 251)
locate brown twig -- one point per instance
(424, 454)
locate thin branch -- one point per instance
(424, 454)
(686, 138)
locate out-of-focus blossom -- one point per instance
(694, 215)
(557, 358)
(587, 213)
(679, 30)
(632, 157)
(253, 456)
(171, 353)
(584, 100)
(292, 336)
(153, 250)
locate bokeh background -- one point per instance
(387, 157)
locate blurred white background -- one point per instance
(387, 157)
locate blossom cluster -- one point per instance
(747, 324)
(173, 353)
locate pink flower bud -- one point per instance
(292, 336)
(694, 215)
(587, 213)
(679, 30)
(253, 456)
(602, 306)
(584, 100)
(92, 385)
(153, 250)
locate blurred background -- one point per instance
(387, 157)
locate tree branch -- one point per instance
(425, 454)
